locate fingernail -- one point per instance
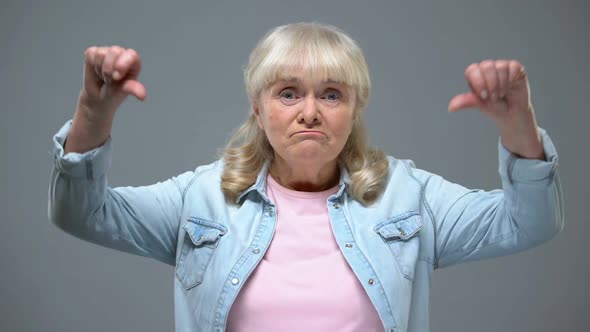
(116, 75)
(484, 94)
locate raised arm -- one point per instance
(138, 220)
(475, 224)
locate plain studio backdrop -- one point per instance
(193, 54)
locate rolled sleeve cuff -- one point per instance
(529, 170)
(89, 165)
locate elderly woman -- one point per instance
(302, 226)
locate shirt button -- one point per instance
(336, 205)
(348, 245)
(269, 211)
(371, 282)
(256, 250)
(235, 281)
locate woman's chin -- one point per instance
(311, 156)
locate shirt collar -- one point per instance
(260, 183)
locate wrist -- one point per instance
(89, 130)
(92, 111)
(524, 145)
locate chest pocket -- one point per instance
(199, 244)
(400, 233)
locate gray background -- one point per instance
(193, 54)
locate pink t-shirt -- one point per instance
(303, 282)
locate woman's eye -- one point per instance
(287, 94)
(332, 96)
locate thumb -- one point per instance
(135, 88)
(462, 101)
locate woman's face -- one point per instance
(306, 121)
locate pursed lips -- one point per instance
(309, 132)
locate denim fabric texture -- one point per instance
(420, 223)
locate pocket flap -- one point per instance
(203, 232)
(402, 227)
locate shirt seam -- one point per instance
(428, 210)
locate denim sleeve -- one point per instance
(472, 224)
(138, 220)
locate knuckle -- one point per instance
(514, 64)
(470, 68)
(487, 65)
(101, 51)
(502, 64)
(133, 57)
(112, 52)
(122, 62)
(487, 62)
(131, 52)
(125, 58)
(89, 51)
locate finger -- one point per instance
(517, 72)
(91, 79)
(135, 88)
(476, 81)
(463, 101)
(109, 62)
(488, 70)
(127, 64)
(97, 60)
(502, 68)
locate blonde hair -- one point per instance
(323, 52)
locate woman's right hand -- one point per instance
(110, 75)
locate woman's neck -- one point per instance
(305, 176)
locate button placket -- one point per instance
(346, 239)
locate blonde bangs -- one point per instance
(322, 54)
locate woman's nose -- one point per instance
(310, 112)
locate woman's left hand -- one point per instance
(500, 89)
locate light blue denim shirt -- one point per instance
(420, 223)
